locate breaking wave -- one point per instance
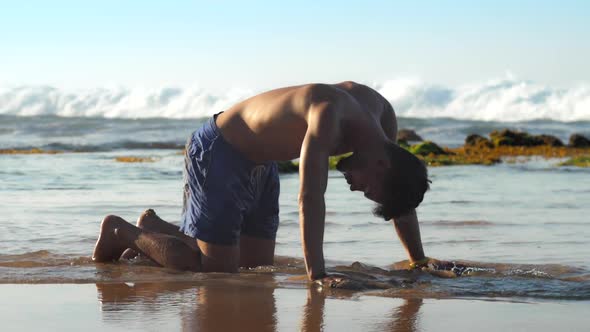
(505, 99)
(164, 102)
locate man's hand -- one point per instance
(440, 268)
(340, 281)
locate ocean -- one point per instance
(520, 228)
(524, 223)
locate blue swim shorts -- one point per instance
(225, 194)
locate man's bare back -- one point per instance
(272, 125)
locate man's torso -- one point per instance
(272, 125)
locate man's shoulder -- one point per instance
(320, 92)
(358, 89)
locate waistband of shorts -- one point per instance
(210, 131)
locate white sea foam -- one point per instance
(167, 102)
(506, 99)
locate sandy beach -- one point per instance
(250, 307)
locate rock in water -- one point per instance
(478, 141)
(427, 147)
(509, 137)
(549, 140)
(408, 135)
(579, 141)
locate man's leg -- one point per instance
(219, 258)
(151, 222)
(257, 240)
(116, 235)
(256, 251)
(214, 258)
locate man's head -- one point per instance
(390, 176)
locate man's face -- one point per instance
(364, 175)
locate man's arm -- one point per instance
(322, 132)
(407, 227)
(408, 230)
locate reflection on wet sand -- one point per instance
(232, 306)
(313, 311)
(405, 317)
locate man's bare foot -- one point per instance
(145, 221)
(108, 247)
(150, 221)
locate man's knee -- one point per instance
(110, 221)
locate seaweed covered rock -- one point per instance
(136, 159)
(475, 140)
(287, 167)
(426, 148)
(408, 135)
(333, 160)
(403, 143)
(579, 141)
(291, 166)
(549, 140)
(582, 161)
(459, 159)
(28, 151)
(507, 137)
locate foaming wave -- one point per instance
(166, 102)
(505, 99)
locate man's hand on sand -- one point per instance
(338, 280)
(441, 268)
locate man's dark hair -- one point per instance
(404, 185)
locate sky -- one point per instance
(223, 44)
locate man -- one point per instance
(230, 215)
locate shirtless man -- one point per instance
(230, 214)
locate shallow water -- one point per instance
(522, 227)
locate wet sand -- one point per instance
(227, 306)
